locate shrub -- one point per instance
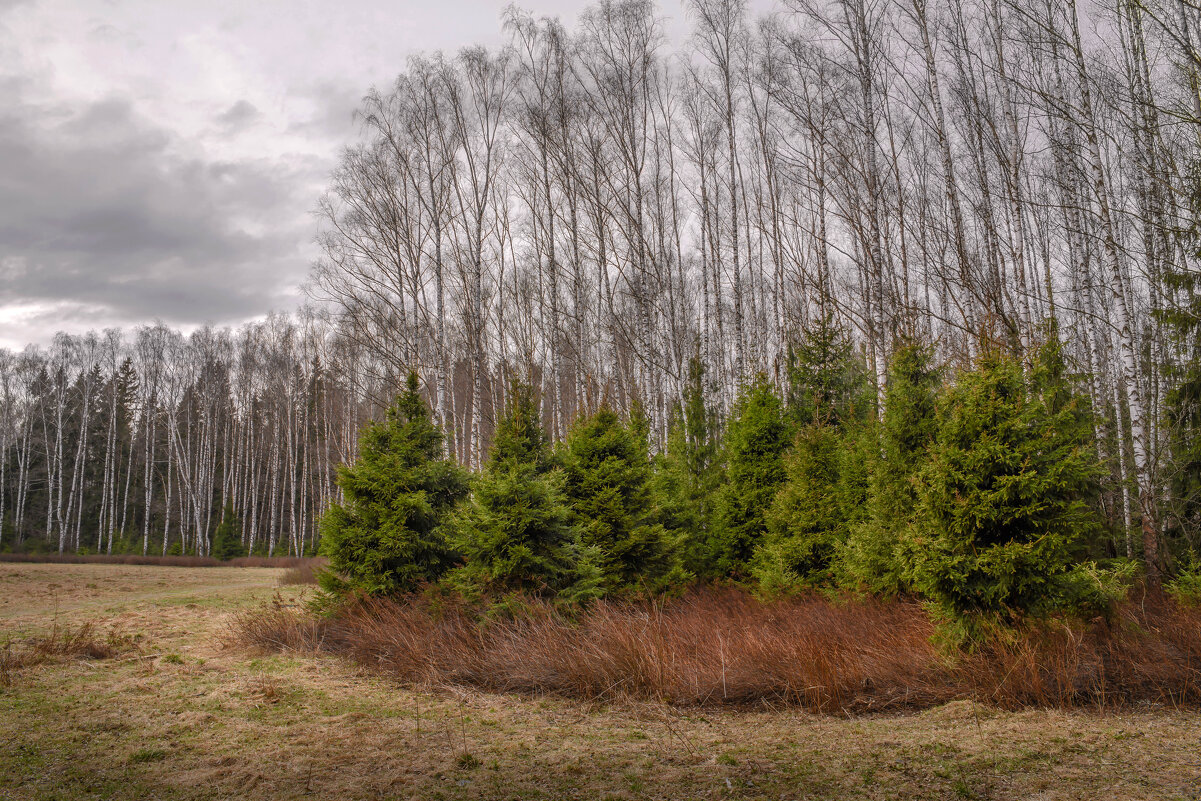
(1090, 589)
(1185, 586)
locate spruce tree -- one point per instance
(227, 540)
(1004, 499)
(1182, 320)
(387, 536)
(519, 438)
(516, 534)
(877, 549)
(826, 383)
(687, 474)
(825, 474)
(607, 473)
(756, 438)
(806, 523)
(1057, 392)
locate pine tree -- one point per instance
(877, 549)
(687, 474)
(227, 540)
(515, 533)
(755, 442)
(608, 486)
(388, 536)
(1004, 499)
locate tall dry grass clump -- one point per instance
(303, 573)
(280, 629)
(714, 647)
(61, 643)
(1148, 653)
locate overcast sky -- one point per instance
(159, 159)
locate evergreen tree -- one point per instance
(516, 533)
(387, 536)
(827, 384)
(227, 540)
(687, 474)
(877, 549)
(1004, 498)
(519, 438)
(608, 486)
(1183, 401)
(1055, 389)
(825, 473)
(755, 442)
(806, 523)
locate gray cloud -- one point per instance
(163, 165)
(101, 210)
(335, 105)
(238, 116)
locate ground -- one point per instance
(181, 712)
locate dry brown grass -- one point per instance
(189, 718)
(1149, 654)
(305, 573)
(158, 561)
(63, 642)
(33, 596)
(727, 648)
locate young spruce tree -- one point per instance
(1004, 500)
(756, 438)
(877, 551)
(515, 533)
(825, 475)
(608, 486)
(1182, 320)
(387, 536)
(827, 384)
(227, 541)
(687, 475)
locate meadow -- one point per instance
(134, 681)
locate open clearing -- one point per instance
(181, 713)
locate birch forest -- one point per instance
(604, 214)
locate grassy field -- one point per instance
(177, 711)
